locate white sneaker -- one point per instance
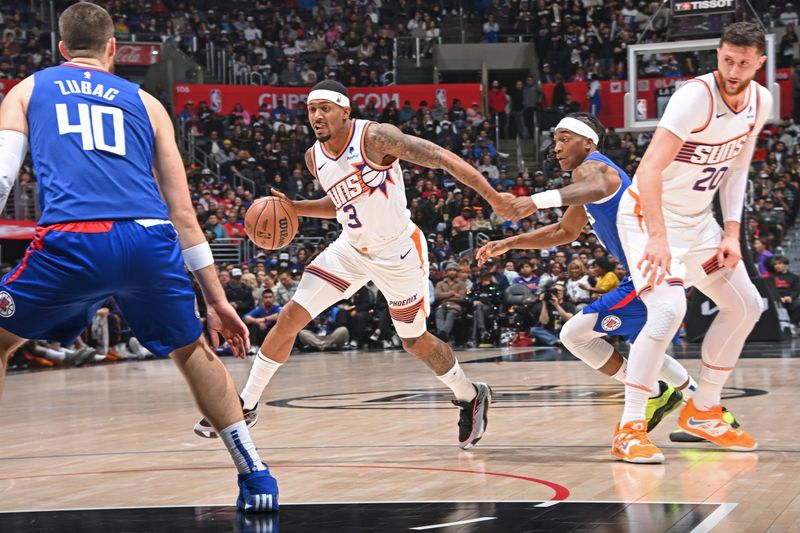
(137, 349)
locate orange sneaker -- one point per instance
(711, 426)
(633, 445)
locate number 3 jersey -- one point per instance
(718, 141)
(370, 198)
(92, 146)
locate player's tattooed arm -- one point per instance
(385, 140)
(591, 181)
(320, 208)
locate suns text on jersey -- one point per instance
(347, 189)
(710, 154)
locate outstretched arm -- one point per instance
(591, 181)
(387, 140)
(566, 230)
(13, 136)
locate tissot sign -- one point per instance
(702, 7)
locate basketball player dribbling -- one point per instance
(703, 144)
(357, 163)
(105, 230)
(593, 197)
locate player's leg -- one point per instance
(335, 274)
(582, 336)
(740, 307)
(8, 345)
(406, 289)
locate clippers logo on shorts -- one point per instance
(711, 154)
(611, 323)
(7, 305)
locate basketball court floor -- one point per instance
(367, 442)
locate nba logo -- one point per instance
(216, 100)
(641, 109)
(441, 95)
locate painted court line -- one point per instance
(459, 523)
(714, 518)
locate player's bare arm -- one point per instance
(171, 177)
(592, 181)
(385, 141)
(13, 135)
(566, 230)
(661, 152)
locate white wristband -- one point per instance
(198, 256)
(547, 199)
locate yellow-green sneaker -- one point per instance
(669, 399)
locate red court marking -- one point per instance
(561, 492)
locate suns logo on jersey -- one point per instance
(347, 189)
(710, 154)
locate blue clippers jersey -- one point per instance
(92, 146)
(603, 216)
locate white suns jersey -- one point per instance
(370, 198)
(714, 135)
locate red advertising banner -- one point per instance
(17, 229)
(5, 86)
(137, 54)
(612, 94)
(222, 98)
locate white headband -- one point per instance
(331, 96)
(576, 126)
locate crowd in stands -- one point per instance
(522, 297)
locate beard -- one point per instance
(743, 85)
(324, 138)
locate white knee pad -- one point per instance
(665, 311)
(583, 342)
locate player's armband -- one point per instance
(13, 147)
(198, 256)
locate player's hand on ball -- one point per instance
(279, 194)
(223, 321)
(729, 252)
(491, 249)
(656, 260)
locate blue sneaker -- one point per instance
(258, 492)
(257, 523)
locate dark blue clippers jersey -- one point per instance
(92, 146)
(603, 215)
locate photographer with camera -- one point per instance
(551, 312)
(486, 300)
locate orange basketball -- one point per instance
(271, 222)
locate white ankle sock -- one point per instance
(262, 371)
(622, 372)
(635, 403)
(458, 382)
(709, 390)
(243, 452)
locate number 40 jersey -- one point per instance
(92, 142)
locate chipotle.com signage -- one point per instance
(222, 98)
(137, 54)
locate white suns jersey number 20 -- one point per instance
(94, 134)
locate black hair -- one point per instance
(331, 85)
(604, 263)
